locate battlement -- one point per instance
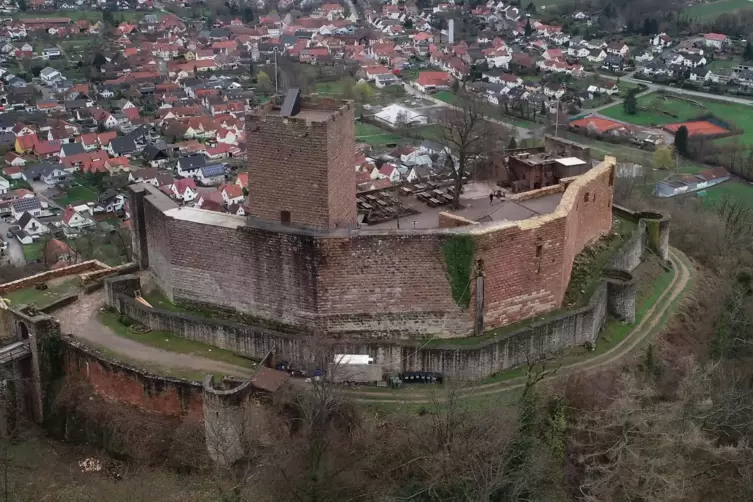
(313, 111)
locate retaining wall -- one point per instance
(119, 382)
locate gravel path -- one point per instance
(642, 331)
(81, 320)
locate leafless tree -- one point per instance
(465, 133)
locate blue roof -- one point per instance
(213, 170)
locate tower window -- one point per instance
(585, 197)
(285, 217)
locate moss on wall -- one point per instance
(459, 251)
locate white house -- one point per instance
(31, 225)
(51, 53)
(661, 40)
(4, 185)
(232, 194)
(73, 222)
(184, 189)
(715, 40)
(50, 75)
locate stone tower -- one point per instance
(301, 158)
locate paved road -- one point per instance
(520, 132)
(80, 319)
(644, 330)
(677, 90)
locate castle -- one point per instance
(300, 262)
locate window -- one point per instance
(611, 177)
(585, 197)
(285, 217)
(539, 251)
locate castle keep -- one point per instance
(301, 264)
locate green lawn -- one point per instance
(33, 251)
(56, 289)
(91, 15)
(735, 189)
(174, 343)
(722, 64)
(446, 96)
(681, 111)
(709, 11)
(364, 129)
(77, 194)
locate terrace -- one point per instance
(421, 213)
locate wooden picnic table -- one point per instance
(434, 202)
(420, 187)
(366, 205)
(372, 198)
(406, 190)
(383, 203)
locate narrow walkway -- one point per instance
(80, 319)
(653, 319)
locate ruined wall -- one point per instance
(118, 382)
(87, 266)
(369, 283)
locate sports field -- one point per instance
(733, 188)
(658, 110)
(711, 10)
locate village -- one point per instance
(97, 97)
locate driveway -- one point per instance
(14, 255)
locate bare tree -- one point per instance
(465, 133)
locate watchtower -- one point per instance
(301, 157)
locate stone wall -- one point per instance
(86, 266)
(370, 283)
(318, 146)
(119, 382)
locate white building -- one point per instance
(396, 116)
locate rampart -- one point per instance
(533, 339)
(366, 283)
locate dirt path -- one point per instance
(641, 332)
(80, 319)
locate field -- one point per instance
(709, 11)
(734, 189)
(683, 111)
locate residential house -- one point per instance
(111, 201)
(155, 157)
(74, 222)
(432, 81)
(122, 146)
(613, 62)
(596, 55)
(232, 194)
(50, 75)
(661, 40)
(148, 175)
(31, 205)
(619, 48)
(31, 225)
(184, 190)
(189, 166)
(212, 174)
(716, 40)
